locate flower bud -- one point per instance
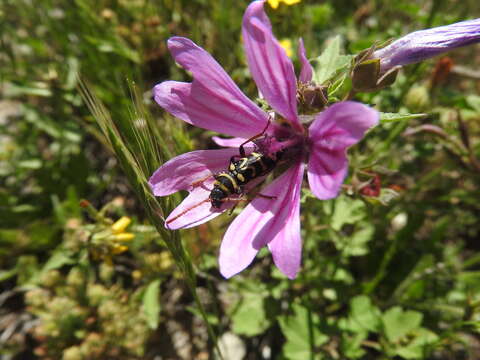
(124, 237)
(399, 221)
(417, 98)
(366, 76)
(311, 97)
(121, 224)
(424, 44)
(118, 249)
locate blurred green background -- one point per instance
(394, 276)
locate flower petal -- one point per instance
(306, 72)
(270, 66)
(232, 142)
(212, 101)
(326, 173)
(333, 130)
(286, 246)
(341, 125)
(182, 171)
(265, 220)
(424, 44)
(195, 209)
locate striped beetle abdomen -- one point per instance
(240, 172)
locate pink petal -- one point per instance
(232, 142)
(306, 72)
(326, 172)
(270, 66)
(342, 125)
(286, 246)
(194, 210)
(265, 220)
(182, 171)
(212, 101)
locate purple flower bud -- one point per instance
(424, 44)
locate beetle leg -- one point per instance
(241, 148)
(201, 181)
(266, 196)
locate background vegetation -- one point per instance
(388, 275)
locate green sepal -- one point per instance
(365, 75)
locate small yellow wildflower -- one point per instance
(124, 237)
(286, 44)
(166, 261)
(274, 3)
(121, 224)
(119, 227)
(118, 249)
(137, 274)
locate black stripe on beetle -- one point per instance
(241, 172)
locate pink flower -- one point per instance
(212, 101)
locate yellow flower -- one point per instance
(286, 44)
(121, 224)
(119, 235)
(137, 274)
(118, 249)
(274, 3)
(124, 237)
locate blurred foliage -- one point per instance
(391, 268)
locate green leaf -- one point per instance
(347, 211)
(357, 242)
(398, 323)
(474, 102)
(72, 74)
(249, 316)
(27, 266)
(338, 85)
(151, 304)
(351, 345)
(116, 46)
(392, 117)
(212, 318)
(364, 316)
(31, 164)
(7, 274)
(419, 346)
(57, 260)
(301, 334)
(330, 61)
(34, 89)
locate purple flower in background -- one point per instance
(212, 101)
(424, 44)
